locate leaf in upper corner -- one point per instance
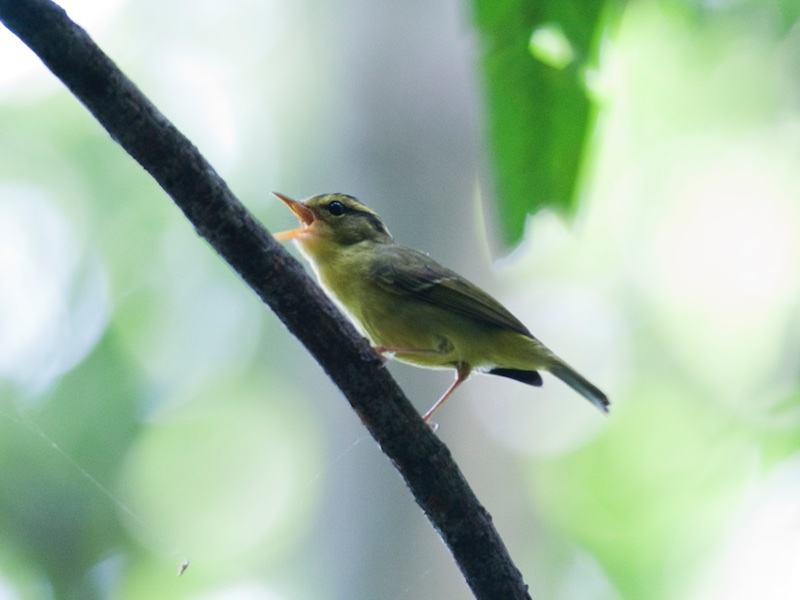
(538, 114)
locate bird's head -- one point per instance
(332, 221)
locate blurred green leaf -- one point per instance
(539, 116)
(58, 464)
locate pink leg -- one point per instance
(461, 376)
(381, 350)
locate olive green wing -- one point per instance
(405, 271)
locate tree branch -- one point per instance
(134, 122)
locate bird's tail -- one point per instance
(581, 385)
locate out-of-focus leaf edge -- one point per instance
(539, 119)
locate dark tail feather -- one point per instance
(577, 382)
(529, 377)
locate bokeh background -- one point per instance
(152, 411)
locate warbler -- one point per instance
(413, 308)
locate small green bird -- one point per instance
(412, 307)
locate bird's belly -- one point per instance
(416, 328)
(455, 342)
(436, 339)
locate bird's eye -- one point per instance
(336, 208)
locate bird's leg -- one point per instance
(443, 348)
(400, 350)
(461, 376)
(383, 350)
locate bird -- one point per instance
(413, 309)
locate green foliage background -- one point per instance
(153, 411)
(538, 116)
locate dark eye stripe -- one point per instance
(375, 222)
(338, 208)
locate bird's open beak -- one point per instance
(303, 213)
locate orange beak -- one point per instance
(303, 213)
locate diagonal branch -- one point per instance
(134, 122)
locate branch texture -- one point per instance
(134, 122)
